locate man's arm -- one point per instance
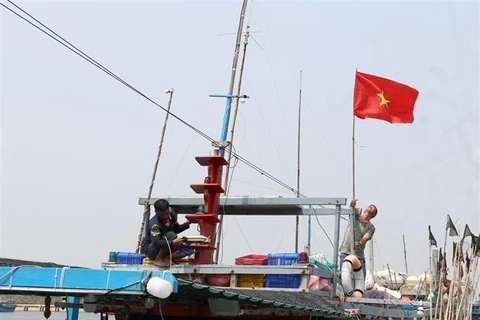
(366, 237)
(179, 228)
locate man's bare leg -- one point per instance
(162, 258)
(176, 256)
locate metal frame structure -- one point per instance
(265, 206)
(234, 270)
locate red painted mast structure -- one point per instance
(212, 184)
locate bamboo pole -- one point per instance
(453, 280)
(146, 211)
(443, 277)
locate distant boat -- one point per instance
(7, 306)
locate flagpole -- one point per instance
(465, 292)
(352, 218)
(443, 276)
(431, 277)
(353, 158)
(453, 279)
(475, 283)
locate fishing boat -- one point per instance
(285, 285)
(7, 306)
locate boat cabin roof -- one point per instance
(267, 206)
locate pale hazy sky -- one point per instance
(78, 147)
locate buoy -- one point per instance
(159, 288)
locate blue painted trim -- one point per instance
(72, 313)
(226, 120)
(226, 117)
(78, 280)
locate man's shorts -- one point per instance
(152, 251)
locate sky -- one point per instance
(78, 148)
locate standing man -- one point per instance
(364, 231)
(161, 243)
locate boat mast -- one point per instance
(235, 107)
(226, 119)
(405, 254)
(297, 218)
(218, 234)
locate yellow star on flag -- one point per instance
(383, 100)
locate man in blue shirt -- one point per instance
(161, 240)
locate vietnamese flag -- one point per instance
(383, 99)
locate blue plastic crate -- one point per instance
(282, 281)
(129, 258)
(281, 259)
(410, 308)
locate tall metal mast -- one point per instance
(218, 234)
(297, 218)
(226, 119)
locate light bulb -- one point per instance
(243, 99)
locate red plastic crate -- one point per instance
(252, 259)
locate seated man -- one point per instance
(161, 235)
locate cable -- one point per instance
(170, 251)
(92, 61)
(160, 309)
(122, 287)
(95, 63)
(326, 234)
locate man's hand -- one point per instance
(187, 223)
(358, 244)
(353, 203)
(177, 241)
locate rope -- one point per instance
(146, 212)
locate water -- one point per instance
(32, 315)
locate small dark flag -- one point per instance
(467, 233)
(440, 260)
(451, 226)
(475, 242)
(433, 242)
(476, 247)
(467, 263)
(458, 252)
(444, 264)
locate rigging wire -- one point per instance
(95, 63)
(92, 61)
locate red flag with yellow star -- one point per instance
(383, 99)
